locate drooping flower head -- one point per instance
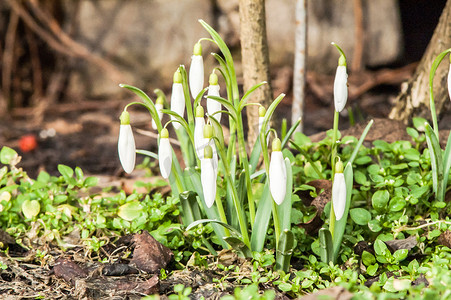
(340, 82)
(177, 98)
(126, 143)
(277, 173)
(208, 176)
(165, 154)
(159, 105)
(199, 140)
(339, 191)
(208, 136)
(196, 71)
(213, 106)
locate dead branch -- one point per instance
(63, 43)
(356, 64)
(8, 61)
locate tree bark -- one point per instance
(413, 99)
(255, 59)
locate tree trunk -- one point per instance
(414, 97)
(255, 59)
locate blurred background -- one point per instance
(61, 63)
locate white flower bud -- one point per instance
(165, 154)
(159, 107)
(199, 141)
(277, 174)
(340, 88)
(214, 106)
(208, 179)
(339, 195)
(126, 144)
(177, 102)
(196, 75)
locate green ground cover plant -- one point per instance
(380, 235)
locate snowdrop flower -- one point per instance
(339, 191)
(126, 144)
(449, 78)
(213, 106)
(208, 176)
(208, 136)
(341, 85)
(196, 71)
(165, 154)
(159, 106)
(277, 173)
(199, 140)
(177, 98)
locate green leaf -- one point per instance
(374, 225)
(284, 210)
(238, 245)
(285, 250)
(371, 270)
(130, 211)
(360, 216)
(418, 123)
(436, 162)
(380, 248)
(400, 254)
(340, 225)
(190, 207)
(380, 199)
(326, 245)
(202, 221)
(31, 208)
(360, 142)
(261, 222)
(446, 165)
(397, 204)
(368, 258)
(8, 156)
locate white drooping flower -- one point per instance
(165, 154)
(199, 140)
(126, 144)
(277, 173)
(208, 138)
(449, 81)
(159, 107)
(213, 106)
(177, 98)
(340, 88)
(208, 176)
(196, 71)
(339, 192)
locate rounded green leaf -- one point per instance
(397, 204)
(30, 208)
(371, 270)
(368, 259)
(360, 216)
(380, 200)
(8, 155)
(130, 211)
(400, 254)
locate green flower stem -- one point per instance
(334, 142)
(275, 215)
(245, 162)
(230, 181)
(222, 215)
(332, 219)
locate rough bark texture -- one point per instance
(255, 58)
(414, 97)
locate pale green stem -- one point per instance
(222, 215)
(433, 111)
(334, 141)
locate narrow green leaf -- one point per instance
(147, 153)
(326, 245)
(227, 104)
(360, 142)
(340, 225)
(436, 161)
(261, 223)
(148, 103)
(238, 245)
(285, 250)
(190, 207)
(202, 221)
(290, 133)
(284, 210)
(446, 165)
(247, 95)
